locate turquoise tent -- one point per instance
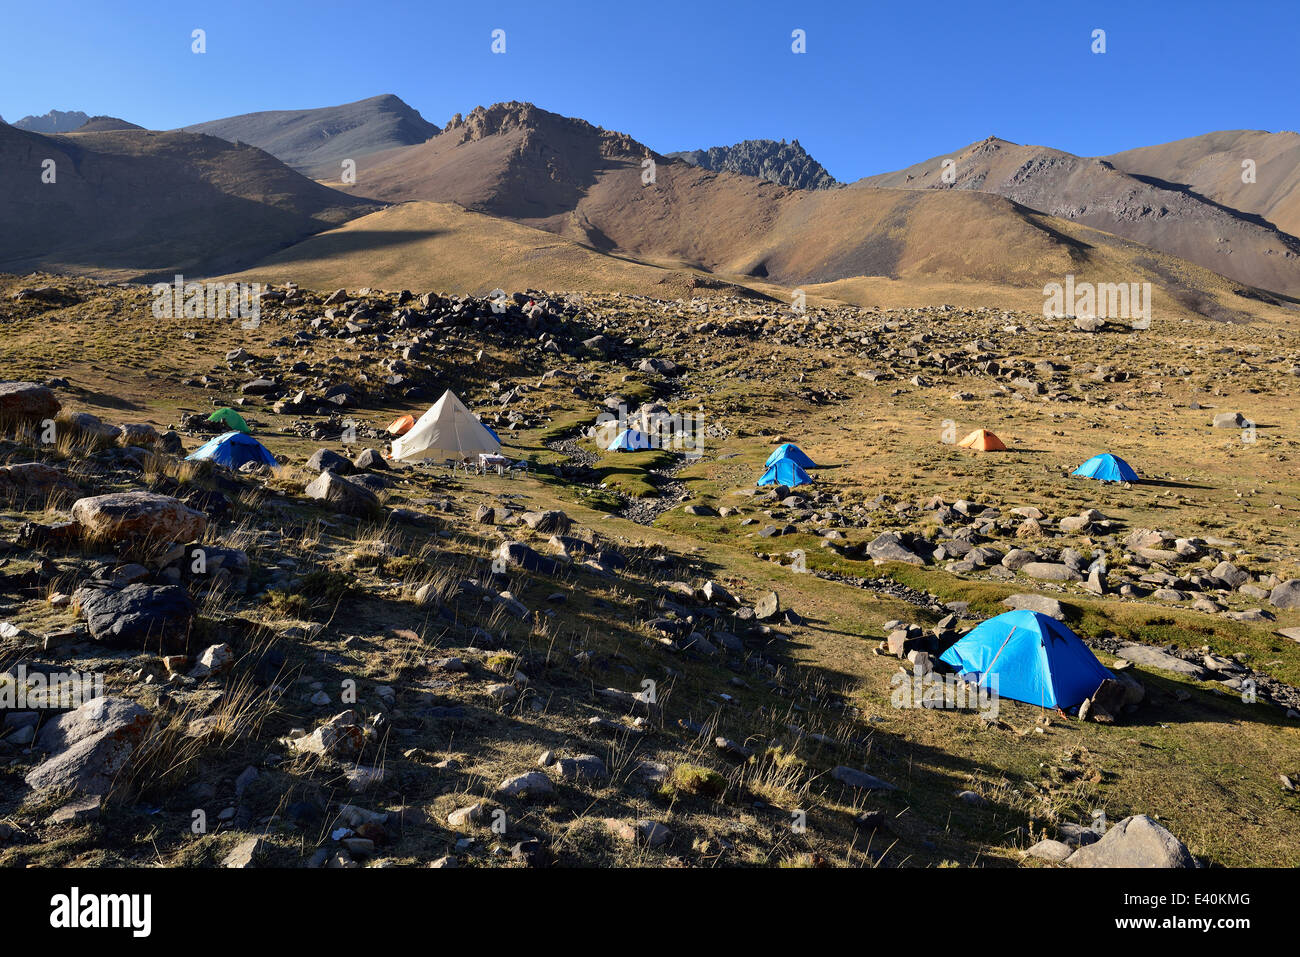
(792, 452)
(785, 472)
(1027, 656)
(1107, 468)
(629, 440)
(233, 450)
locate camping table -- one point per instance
(487, 460)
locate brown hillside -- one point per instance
(1095, 193)
(443, 246)
(586, 184)
(140, 204)
(1210, 165)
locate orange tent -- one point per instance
(401, 426)
(982, 440)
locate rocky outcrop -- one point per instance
(780, 162)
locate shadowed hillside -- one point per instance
(138, 204)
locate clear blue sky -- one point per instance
(881, 86)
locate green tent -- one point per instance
(231, 420)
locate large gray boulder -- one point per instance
(1039, 603)
(89, 747)
(93, 427)
(519, 555)
(1050, 571)
(370, 459)
(665, 367)
(343, 495)
(1053, 852)
(1230, 575)
(1136, 841)
(152, 617)
(1286, 595)
(324, 460)
(889, 547)
(551, 522)
(529, 785)
(854, 778)
(1229, 420)
(1155, 658)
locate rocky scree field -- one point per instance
(637, 659)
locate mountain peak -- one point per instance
(787, 164)
(55, 121)
(316, 140)
(103, 124)
(534, 122)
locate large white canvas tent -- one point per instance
(446, 431)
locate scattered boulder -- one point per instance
(854, 778)
(551, 522)
(1039, 603)
(140, 434)
(139, 616)
(27, 402)
(716, 594)
(327, 460)
(665, 367)
(1052, 851)
(370, 459)
(344, 496)
(1155, 658)
(31, 479)
(889, 547)
(648, 833)
(1050, 571)
(92, 426)
(89, 747)
(340, 737)
(767, 607)
(1286, 594)
(246, 853)
(1136, 841)
(585, 767)
(519, 555)
(1230, 420)
(528, 785)
(140, 517)
(1230, 575)
(215, 660)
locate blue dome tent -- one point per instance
(1107, 468)
(629, 440)
(792, 452)
(1027, 656)
(232, 450)
(785, 472)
